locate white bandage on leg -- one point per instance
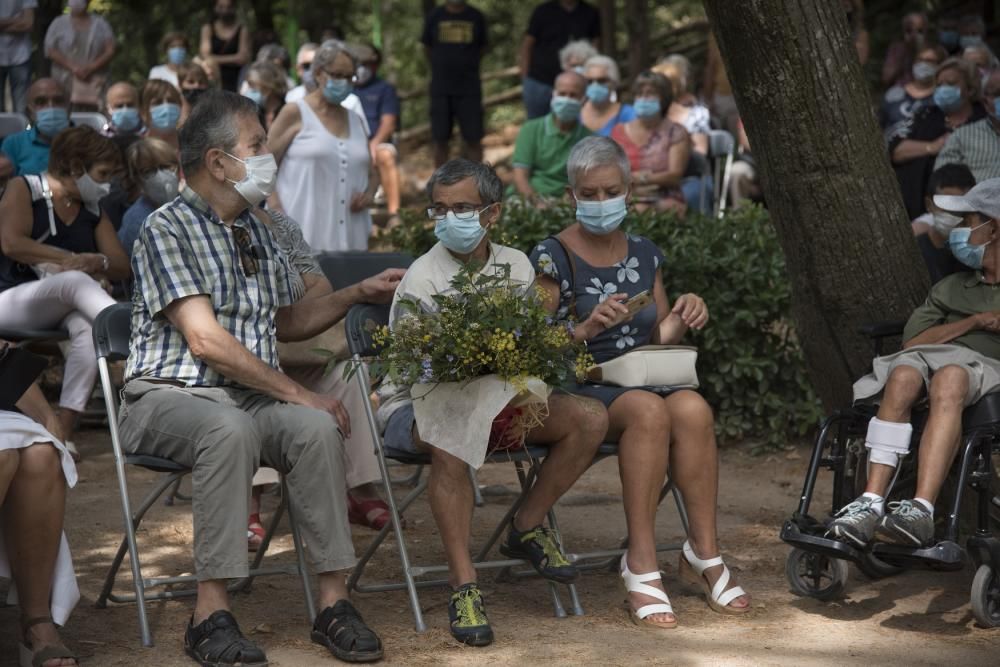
(887, 442)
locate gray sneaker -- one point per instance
(909, 524)
(855, 522)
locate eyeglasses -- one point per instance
(248, 256)
(461, 211)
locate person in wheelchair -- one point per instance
(951, 356)
(466, 201)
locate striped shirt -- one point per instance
(977, 146)
(184, 249)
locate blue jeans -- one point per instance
(691, 186)
(537, 97)
(20, 77)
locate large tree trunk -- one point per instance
(637, 24)
(608, 28)
(830, 189)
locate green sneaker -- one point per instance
(467, 613)
(540, 547)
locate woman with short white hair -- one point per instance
(575, 54)
(602, 110)
(589, 271)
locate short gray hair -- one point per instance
(487, 182)
(580, 49)
(212, 124)
(608, 63)
(328, 52)
(680, 62)
(596, 151)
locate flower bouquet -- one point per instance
(481, 362)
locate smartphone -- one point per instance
(638, 302)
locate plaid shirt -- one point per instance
(184, 249)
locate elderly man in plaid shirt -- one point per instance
(213, 292)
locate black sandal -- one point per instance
(341, 629)
(218, 642)
(28, 657)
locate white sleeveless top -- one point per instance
(318, 176)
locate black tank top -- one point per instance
(77, 237)
(227, 47)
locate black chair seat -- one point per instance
(154, 463)
(18, 335)
(984, 413)
(411, 458)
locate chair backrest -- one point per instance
(720, 143)
(92, 118)
(361, 322)
(345, 268)
(11, 123)
(112, 330)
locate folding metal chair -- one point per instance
(111, 343)
(721, 149)
(361, 322)
(12, 123)
(90, 118)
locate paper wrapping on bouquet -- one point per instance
(457, 417)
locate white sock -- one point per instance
(927, 505)
(878, 502)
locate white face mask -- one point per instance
(161, 187)
(260, 180)
(92, 192)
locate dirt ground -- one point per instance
(918, 618)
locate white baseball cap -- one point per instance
(984, 199)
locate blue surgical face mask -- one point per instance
(598, 93)
(647, 107)
(996, 107)
(579, 69)
(125, 119)
(967, 253)
(923, 71)
(601, 217)
(176, 55)
(255, 95)
(51, 120)
(336, 91)
(965, 41)
(948, 98)
(949, 39)
(165, 116)
(458, 235)
(565, 108)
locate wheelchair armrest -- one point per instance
(882, 329)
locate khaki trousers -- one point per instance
(223, 434)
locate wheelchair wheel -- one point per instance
(876, 568)
(815, 575)
(986, 597)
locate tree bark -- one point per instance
(637, 23)
(833, 197)
(609, 22)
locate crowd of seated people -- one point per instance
(184, 178)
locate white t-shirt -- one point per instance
(166, 74)
(432, 274)
(15, 47)
(352, 103)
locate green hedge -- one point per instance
(750, 364)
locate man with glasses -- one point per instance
(466, 204)
(977, 145)
(213, 293)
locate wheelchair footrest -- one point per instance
(815, 542)
(943, 555)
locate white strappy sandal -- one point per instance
(634, 584)
(692, 568)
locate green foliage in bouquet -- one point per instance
(489, 324)
(749, 360)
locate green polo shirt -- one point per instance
(956, 297)
(543, 149)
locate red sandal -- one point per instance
(255, 532)
(359, 512)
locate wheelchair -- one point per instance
(817, 565)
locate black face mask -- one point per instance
(193, 94)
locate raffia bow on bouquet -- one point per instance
(482, 362)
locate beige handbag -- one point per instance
(650, 366)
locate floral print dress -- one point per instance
(593, 285)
